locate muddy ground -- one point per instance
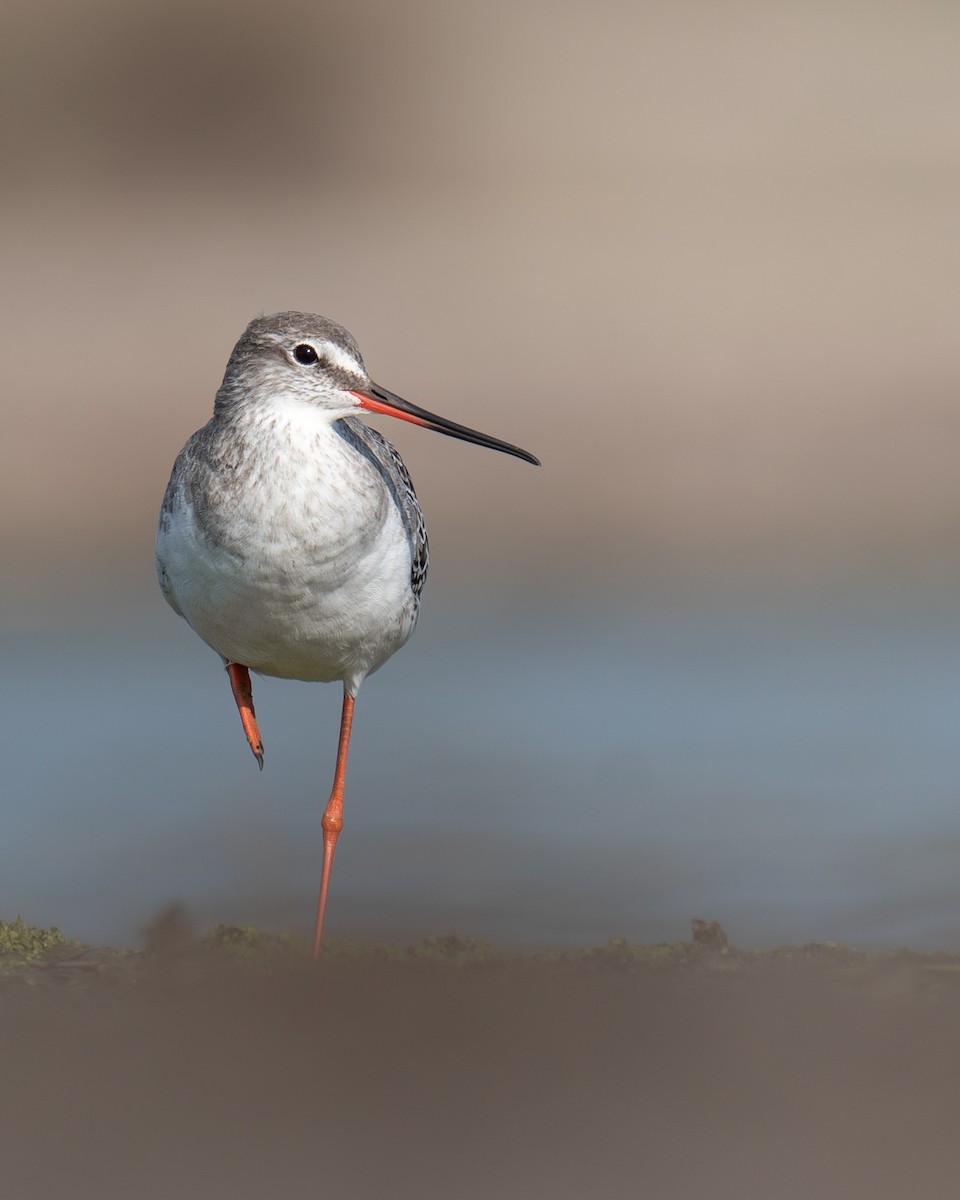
(671, 1072)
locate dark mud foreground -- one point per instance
(672, 1072)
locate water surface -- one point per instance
(534, 778)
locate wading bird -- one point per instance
(290, 536)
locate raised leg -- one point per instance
(333, 819)
(243, 694)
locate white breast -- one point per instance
(297, 563)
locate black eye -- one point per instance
(305, 354)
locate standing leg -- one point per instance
(333, 818)
(243, 694)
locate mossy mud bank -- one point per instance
(227, 1064)
(32, 955)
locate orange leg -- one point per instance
(333, 819)
(243, 694)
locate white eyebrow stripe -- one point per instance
(338, 357)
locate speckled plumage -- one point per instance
(290, 535)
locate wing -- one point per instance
(386, 459)
(185, 492)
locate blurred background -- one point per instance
(702, 260)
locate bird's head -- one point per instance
(303, 358)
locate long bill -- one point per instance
(378, 400)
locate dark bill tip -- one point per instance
(380, 400)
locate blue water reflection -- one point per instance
(560, 778)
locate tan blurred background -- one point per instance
(702, 259)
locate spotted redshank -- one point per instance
(290, 535)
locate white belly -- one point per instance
(306, 576)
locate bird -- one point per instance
(290, 537)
